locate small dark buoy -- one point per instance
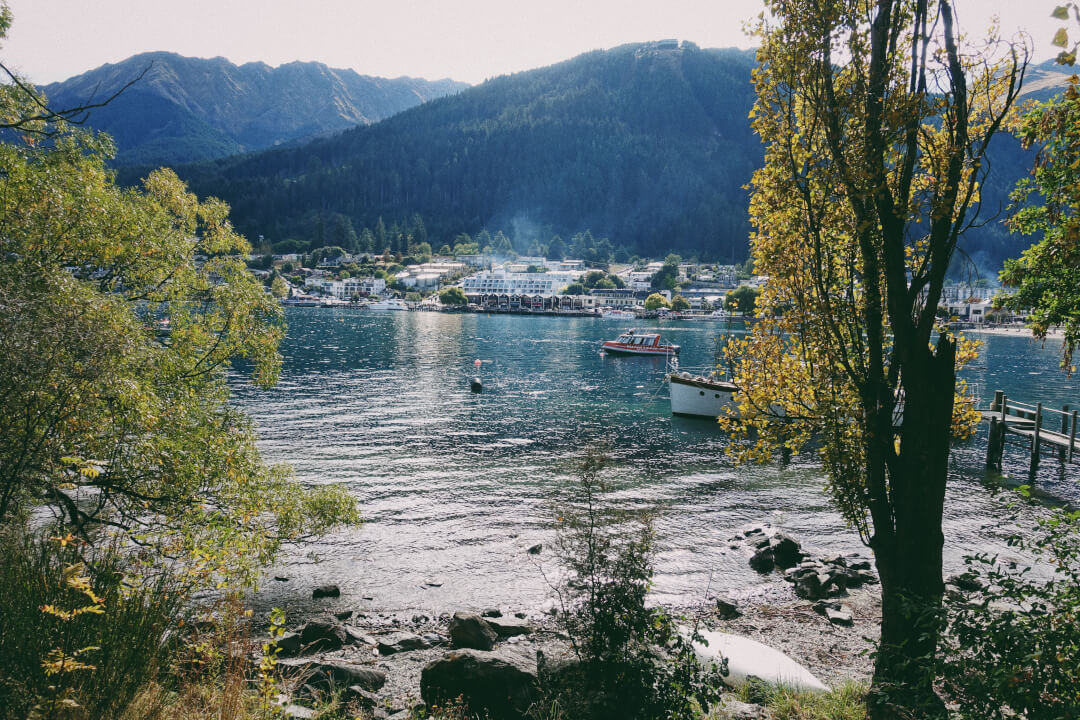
(475, 385)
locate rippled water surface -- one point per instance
(455, 486)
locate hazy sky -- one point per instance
(468, 40)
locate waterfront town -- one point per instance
(536, 284)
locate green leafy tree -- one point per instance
(452, 296)
(1046, 277)
(742, 299)
(279, 288)
(876, 122)
(575, 289)
(667, 277)
(656, 301)
(556, 249)
(679, 303)
(114, 344)
(445, 250)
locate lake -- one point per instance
(455, 486)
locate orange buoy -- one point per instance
(478, 363)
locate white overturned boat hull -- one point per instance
(700, 397)
(748, 658)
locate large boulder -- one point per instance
(469, 630)
(501, 683)
(786, 552)
(763, 560)
(506, 627)
(401, 642)
(322, 634)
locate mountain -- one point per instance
(646, 144)
(190, 109)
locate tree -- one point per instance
(876, 124)
(445, 250)
(656, 301)
(452, 296)
(742, 299)
(556, 249)
(575, 289)
(667, 277)
(679, 303)
(114, 346)
(1047, 275)
(278, 287)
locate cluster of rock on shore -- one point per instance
(814, 578)
(496, 662)
(490, 661)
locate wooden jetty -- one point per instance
(1032, 423)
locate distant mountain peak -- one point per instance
(188, 109)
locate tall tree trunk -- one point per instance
(910, 562)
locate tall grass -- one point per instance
(125, 644)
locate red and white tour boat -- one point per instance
(631, 343)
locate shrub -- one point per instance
(1013, 646)
(634, 662)
(59, 645)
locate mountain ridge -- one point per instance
(191, 109)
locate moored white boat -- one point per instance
(631, 343)
(388, 304)
(701, 395)
(615, 313)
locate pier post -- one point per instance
(999, 401)
(1035, 439)
(1064, 429)
(995, 444)
(1072, 437)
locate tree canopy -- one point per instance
(120, 312)
(876, 124)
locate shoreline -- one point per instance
(1013, 331)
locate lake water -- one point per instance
(455, 486)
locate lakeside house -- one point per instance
(348, 288)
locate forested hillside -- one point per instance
(189, 109)
(646, 145)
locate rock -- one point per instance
(491, 613)
(809, 587)
(326, 591)
(469, 630)
(322, 634)
(420, 619)
(340, 674)
(361, 697)
(356, 636)
(289, 644)
(763, 560)
(839, 617)
(536, 549)
(281, 578)
(726, 610)
(738, 710)
(343, 615)
(822, 605)
(520, 615)
(753, 531)
(297, 712)
(786, 552)
(557, 667)
(502, 683)
(401, 642)
(509, 627)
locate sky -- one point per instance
(467, 40)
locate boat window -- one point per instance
(701, 393)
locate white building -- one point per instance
(515, 283)
(348, 288)
(638, 280)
